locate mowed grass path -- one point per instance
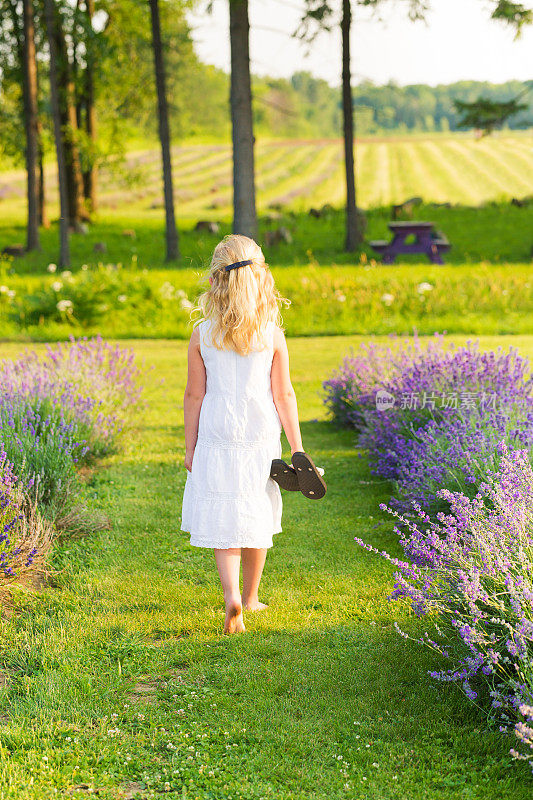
(120, 682)
(301, 173)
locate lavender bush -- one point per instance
(455, 433)
(55, 411)
(42, 447)
(448, 406)
(473, 568)
(91, 382)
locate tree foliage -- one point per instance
(486, 114)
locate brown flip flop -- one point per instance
(284, 475)
(309, 479)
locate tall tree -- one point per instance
(31, 126)
(244, 210)
(172, 246)
(23, 68)
(353, 234)
(69, 123)
(51, 21)
(90, 175)
(318, 15)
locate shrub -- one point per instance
(88, 383)
(473, 568)
(22, 531)
(54, 412)
(106, 292)
(450, 406)
(43, 449)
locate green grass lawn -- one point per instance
(120, 682)
(497, 233)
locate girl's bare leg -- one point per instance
(228, 565)
(253, 561)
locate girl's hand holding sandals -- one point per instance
(301, 476)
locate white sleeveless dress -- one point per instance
(230, 500)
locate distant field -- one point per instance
(300, 173)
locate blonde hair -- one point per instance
(240, 302)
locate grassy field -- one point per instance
(300, 173)
(466, 185)
(118, 681)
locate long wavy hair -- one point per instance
(240, 302)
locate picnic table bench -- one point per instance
(426, 240)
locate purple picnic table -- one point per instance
(426, 240)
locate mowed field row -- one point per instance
(297, 174)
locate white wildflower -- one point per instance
(4, 289)
(85, 267)
(65, 305)
(113, 732)
(424, 287)
(122, 298)
(167, 291)
(186, 304)
(51, 267)
(57, 286)
(66, 274)
(387, 299)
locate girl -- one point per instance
(238, 396)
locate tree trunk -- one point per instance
(78, 95)
(64, 251)
(31, 126)
(244, 211)
(90, 177)
(43, 215)
(69, 126)
(164, 133)
(352, 232)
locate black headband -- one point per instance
(238, 264)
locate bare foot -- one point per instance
(234, 622)
(254, 605)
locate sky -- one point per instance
(458, 42)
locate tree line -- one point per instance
(77, 72)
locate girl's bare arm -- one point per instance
(283, 393)
(194, 395)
